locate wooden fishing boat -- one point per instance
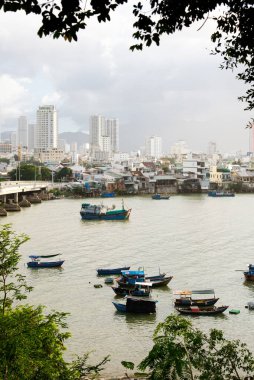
(38, 261)
(110, 271)
(136, 305)
(129, 279)
(206, 311)
(160, 282)
(220, 194)
(160, 196)
(186, 298)
(249, 275)
(100, 212)
(141, 289)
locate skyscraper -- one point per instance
(31, 136)
(153, 147)
(46, 134)
(113, 131)
(104, 134)
(96, 131)
(22, 132)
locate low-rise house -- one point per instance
(219, 176)
(245, 177)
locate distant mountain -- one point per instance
(71, 137)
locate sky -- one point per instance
(175, 91)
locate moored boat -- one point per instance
(38, 261)
(136, 305)
(249, 275)
(129, 279)
(107, 194)
(219, 194)
(100, 212)
(186, 298)
(160, 196)
(206, 311)
(110, 271)
(142, 289)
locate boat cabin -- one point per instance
(140, 305)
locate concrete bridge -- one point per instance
(14, 189)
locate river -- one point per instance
(201, 241)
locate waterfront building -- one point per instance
(46, 134)
(196, 168)
(153, 147)
(219, 175)
(22, 132)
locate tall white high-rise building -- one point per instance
(153, 147)
(113, 131)
(31, 136)
(96, 131)
(46, 134)
(212, 148)
(22, 132)
(104, 134)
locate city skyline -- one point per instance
(175, 91)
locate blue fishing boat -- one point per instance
(106, 194)
(249, 274)
(220, 194)
(130, 279)
(141, 289)
(160, 196)
(111, 271)
(136, 305)
(101, 212)
(38, 261)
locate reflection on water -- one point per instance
(135, 319)
(199, 240)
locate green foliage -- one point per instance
(181, 352)
(6, 160)
(12, 286)
(80, 368)
(63, 174)
(128, 365)
(31, 342)
(32, 345)
(30, 172)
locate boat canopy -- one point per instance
(190, 292)
(43, 256)
(133, 272)
(139, 283)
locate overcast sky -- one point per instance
(175, 91)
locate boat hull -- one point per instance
(159, 197)
(133, 292)
(220, 194)
(106, 272)
(204, 312)
(52, 264)
(123, 215)
(197, 302)
(249, 276)
(120, 307)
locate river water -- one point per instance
(201, 241)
